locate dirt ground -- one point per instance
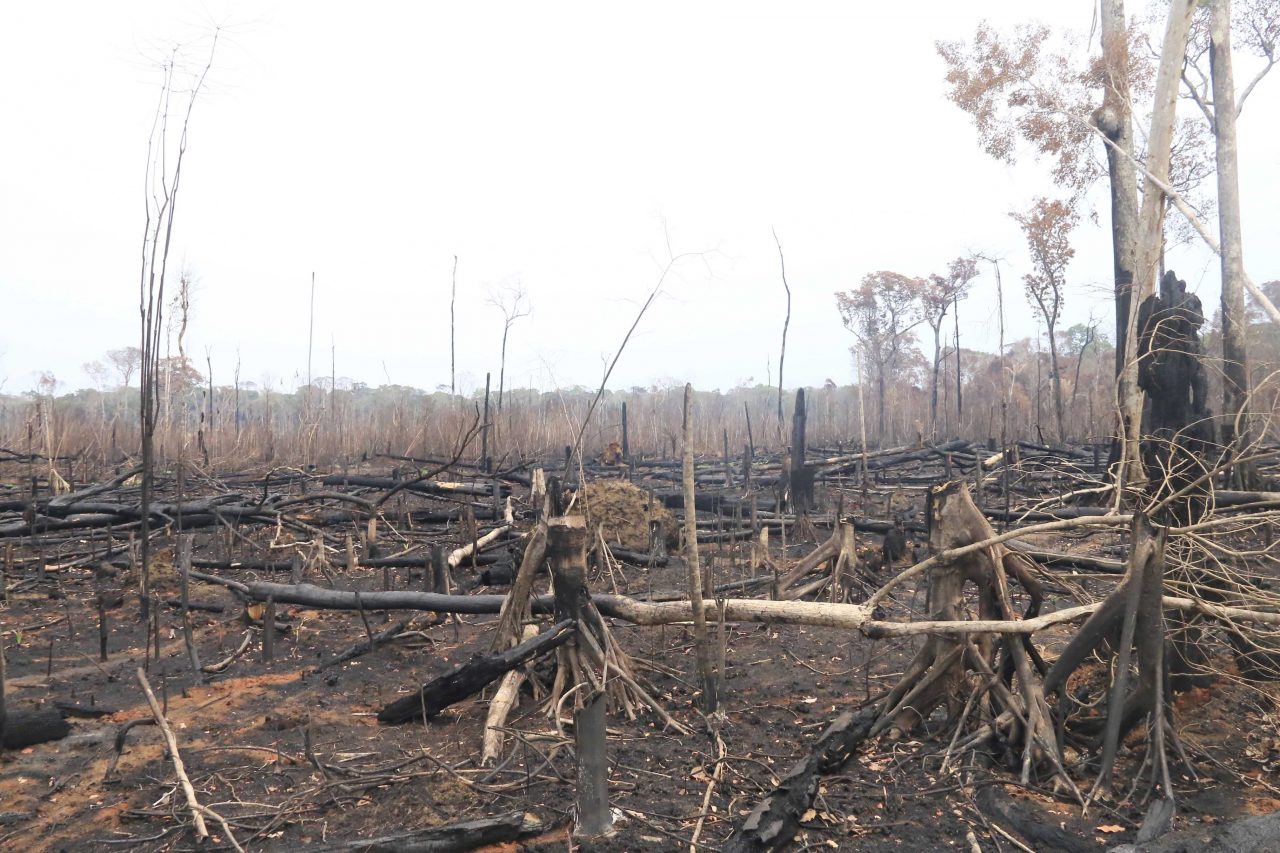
(294, 757)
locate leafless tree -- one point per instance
(782, 354)
(513, 302)
(162, 183)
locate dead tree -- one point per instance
(1181, 458)
(161, 194)
(938, 676)
(697, 583)
(567, 554)
(782, 353)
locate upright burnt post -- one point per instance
(567, 557)
(801, 476)
(484, 430)
(1178, 445)
(626, 443)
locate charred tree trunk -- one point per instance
(567, 556)
(473, 676)
(801, 476)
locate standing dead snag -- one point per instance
(161, 185)
(702, 644)
(1180, 458)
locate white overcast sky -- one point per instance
(558, 146)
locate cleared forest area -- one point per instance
(1027, 600)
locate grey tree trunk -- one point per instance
(702, 647)
(933, 399)
(1056, 378)
(1115, 121)
(1150, 231)
(880, 402)
(1235, 374)
(955, 316)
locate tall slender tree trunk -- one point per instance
(782, 353)
(502, 365)
(937, 358)
(1115, 120)
(880, 403)
(1150, 223)
(453, 358)
(955, 316)
(1055, 376)
(1235, 374)
(702, 647)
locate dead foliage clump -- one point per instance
(625, 511)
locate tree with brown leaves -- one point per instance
(939, 294)
(881, 313)
(1047, 227)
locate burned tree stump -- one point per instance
(938, 675)
(1181, 457)
(567, 555)
(1178, 448)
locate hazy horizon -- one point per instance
(566, 149)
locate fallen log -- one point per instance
(1067, 452)
(452, 838)
(858, 617)
(257, 564)
(500, 705)
(459, 554)
(458, 684)
(426, 487)
(1048, 514)
(27, 728)
(636, 558)
(1056, 560)
(774, 821)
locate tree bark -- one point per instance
(700, 639)
(880, 369)
(933, 396)
(801, 477)
(1115, 120)
(1235, 374)
(567, 555)
(1150, 230)
(1059, 412)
